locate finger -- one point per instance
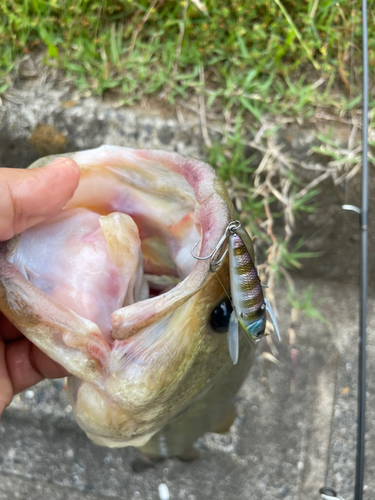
(8, 331)
(6, 389)
(28, 365)
(28, 197)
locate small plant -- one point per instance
(304, 303)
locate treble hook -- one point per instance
(215, 260)
(196, 256)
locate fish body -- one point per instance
(109, 289)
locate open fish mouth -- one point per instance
(110, 290)
(126, 236)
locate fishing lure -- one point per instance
(250, 307)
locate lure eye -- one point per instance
(220, 316)
(256, 330)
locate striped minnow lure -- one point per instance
(250, 307)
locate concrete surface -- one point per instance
(295, 426)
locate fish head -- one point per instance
(109, 289)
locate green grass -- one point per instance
(257, 56)
(304, 303)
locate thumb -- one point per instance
(28, 197)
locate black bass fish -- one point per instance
(110, 289)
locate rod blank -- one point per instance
(360, 459)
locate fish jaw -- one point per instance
(162, 354)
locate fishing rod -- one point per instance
(326, 492)
(360, 459)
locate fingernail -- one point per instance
(68, 165)
(61, 160)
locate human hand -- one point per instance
(28, 197)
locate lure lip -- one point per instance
(233, 337)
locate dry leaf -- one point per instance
(269, 357)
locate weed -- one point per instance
(305, 304)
